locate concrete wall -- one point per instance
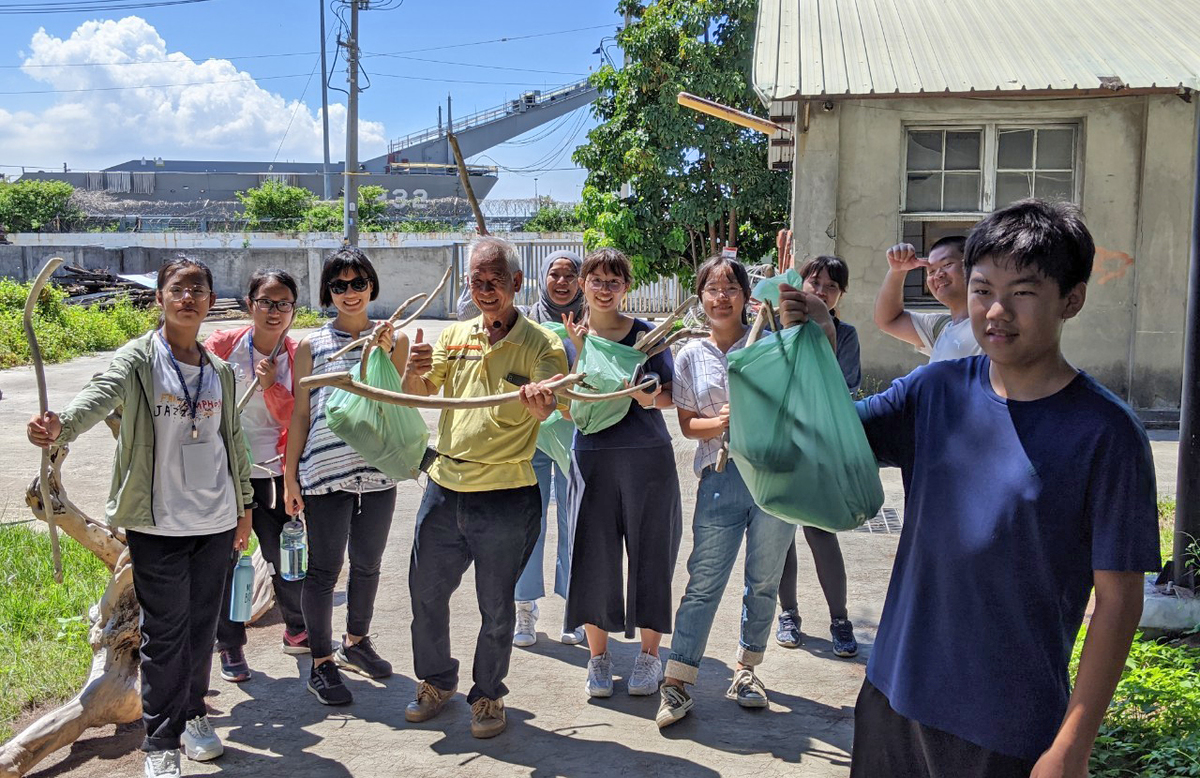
(1136, 181)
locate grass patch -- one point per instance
(1166, 527)
(1152, 728)
(65, 331)
(307, 317)
(43, 626)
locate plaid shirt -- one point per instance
(700, 387)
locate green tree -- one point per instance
(28, 206)
(554, 217)
(275, 201)
(697, 182)
(371, 206)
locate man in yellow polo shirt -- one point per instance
(482, 502)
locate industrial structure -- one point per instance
(419, 166)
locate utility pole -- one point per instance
(626, 189)
(350, 213)
(325, 106)
(1187, 492)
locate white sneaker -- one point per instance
(574, 637)
(525, 634)
(163, 764)
(599, 680)
(647, 675)
(200, 743)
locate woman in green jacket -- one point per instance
(181, 490)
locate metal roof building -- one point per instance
(887, 48)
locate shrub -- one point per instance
(27, 206)
(274, 201)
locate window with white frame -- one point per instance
(954, 175)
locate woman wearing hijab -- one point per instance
(560, 295)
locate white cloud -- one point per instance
(222, 114)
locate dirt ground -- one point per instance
(272, 726)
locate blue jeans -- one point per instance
(531, 585)
(725, 512)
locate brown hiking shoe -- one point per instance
(429, 703)
(487, 717)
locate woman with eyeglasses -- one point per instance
(181, 492)
(725, 510)
(348, 504)
(624, 498)
(271, 300)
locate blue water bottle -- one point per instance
(241, 598)
(293, 551)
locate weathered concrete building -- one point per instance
(914, 118)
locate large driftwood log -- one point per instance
(112, 692)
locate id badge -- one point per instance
(200, 468)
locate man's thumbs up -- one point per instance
(420, 356)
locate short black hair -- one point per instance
(182, 262)
(1050, 237)
(718, 263)
(347, 258)
(836, 267)
(959, 242)
(261, 277)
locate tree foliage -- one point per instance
(275, 201)
(554, 217)
(698, 182)
(27, 206)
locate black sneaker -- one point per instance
(326, 683)
(362, 659)
(844, 644)
(233, 665)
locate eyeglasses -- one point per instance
(599, 284)
(339, 286)
(179, 292)
(722, 291)
(283, 306)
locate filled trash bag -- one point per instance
(555, 436)
(390, 438)
(796, 435)
(767, 290)
(608, 365)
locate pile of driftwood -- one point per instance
(99, 287)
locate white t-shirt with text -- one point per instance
(943, 337)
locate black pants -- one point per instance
(831, 572)
(269, 518)
(335, 521)
(178, 582)
(497, 530)
(887, 745)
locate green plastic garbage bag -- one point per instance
(608, 366)
(554, 439)
(557, 328)
(391, 438)
(795, 434)
(767, 290)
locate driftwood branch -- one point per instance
(648, 340)
(39, 371)
(437, 290)
(360, 341)
(428, 300)
(675, 337)
(465, 179)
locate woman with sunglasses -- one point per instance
(271, 300)
(624, 496)
(181, 492)
(347, 502)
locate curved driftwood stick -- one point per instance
(245, 399)
(429, 299)
(675, 337)
(361, 341)
(39, 371)
(649, 339)
(765, 312)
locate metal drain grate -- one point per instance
(886, 522)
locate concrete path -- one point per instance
(272, 726)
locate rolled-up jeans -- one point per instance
(725, 513)
(531, 585)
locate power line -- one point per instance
(449, 80)
(88, 6)
(478, 65)
(499, 40)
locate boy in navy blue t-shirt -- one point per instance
(1026, 484)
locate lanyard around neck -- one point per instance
(192, 404)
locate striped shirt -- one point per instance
(700, 387)
(328, 464)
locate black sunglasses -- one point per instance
(339, 286)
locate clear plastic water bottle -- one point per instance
(241, 600)
(293, 551)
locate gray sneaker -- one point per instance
(673, 705)
(599, 678)
(200, 743)
(747, 690)
(647, 675)
(163, 764)
(525, 633)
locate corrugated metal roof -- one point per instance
(830, 48)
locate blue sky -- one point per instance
(243, 69)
